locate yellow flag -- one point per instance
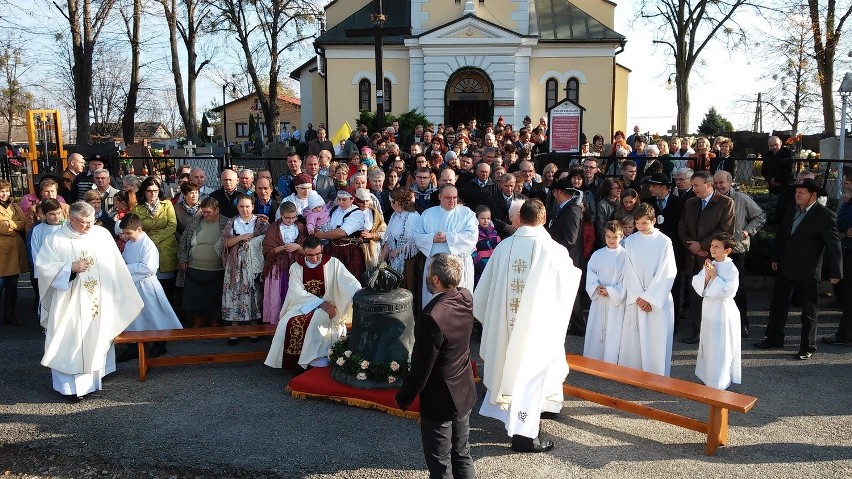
(342, 134)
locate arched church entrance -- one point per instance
(469, 94)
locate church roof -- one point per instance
(562, 21)
(398, 13)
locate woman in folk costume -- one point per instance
(649, 272)
(374, 228)
(605, 285)
(243, 259)
(719, 349)
(281, 245)
(399, 249)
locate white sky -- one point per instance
(726, 79)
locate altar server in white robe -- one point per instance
(448, 228)
(142, 259)
(527, 279)
(649, 272)
(605, 286)
(88, 299)
(315, 312)
(719, 354)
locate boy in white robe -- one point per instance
(649, 272)
(142, 259)
(719, 354)
(51, 211)
(605, 286)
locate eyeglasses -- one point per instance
(423, 177)
(153, 191)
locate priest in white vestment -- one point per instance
(448, 228)
(315, 312)
(88, 299)
(527, 279)
(649, 272)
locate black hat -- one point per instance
(565, 185)
(811, 185)
(659, 179)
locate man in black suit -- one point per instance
(777, 167)
(480, 188)
(499, 204)
(532, 189)
(566, 228)
(323, 184)
(320, 143)
(669, 208)
(449, 177)
(683, 187)
(808, 233)
(440, 372)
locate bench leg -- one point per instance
(143, 362)
(717, 429)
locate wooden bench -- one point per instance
(171, 335)
(716, 427)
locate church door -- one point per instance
(469, 94)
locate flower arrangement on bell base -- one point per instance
(353, 364)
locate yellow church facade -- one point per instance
(470, 59)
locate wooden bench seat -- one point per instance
(716, 427)
(218, 332)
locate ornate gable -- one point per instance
(470, 29)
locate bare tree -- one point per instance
(133, 29)
(794, 93)
(827, 20)
(189, 23)
(108, 91)
(266, 30)
(15, 99)
(86, 19)
(685, 28)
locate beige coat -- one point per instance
(13, 253)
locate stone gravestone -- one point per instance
(382, 326)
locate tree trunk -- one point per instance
(128, 120)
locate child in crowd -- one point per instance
(281, 246)
(628, 227)
(142, 260)
(605, 286)
(52, 219)
(719, 354)
(650, 268)
(317, 214)
(488, 240)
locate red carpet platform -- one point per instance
(318, 383)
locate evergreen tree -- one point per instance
(715, 124)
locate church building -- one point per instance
(470, 59)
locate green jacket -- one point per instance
(161, 229)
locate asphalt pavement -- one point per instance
(236, 420)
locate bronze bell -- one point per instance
(382, 325)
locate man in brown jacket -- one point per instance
(705, 215)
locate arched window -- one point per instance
(550, 89)
(387, 95)
(364, 95)
(572, 90)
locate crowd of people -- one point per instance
(656, 232)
